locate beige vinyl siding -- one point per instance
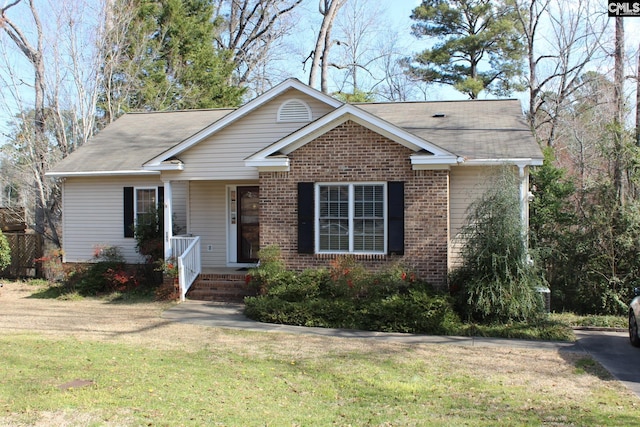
(93, 216)
(208, 219)
(180, 193)
(467, 183)
(222, 156)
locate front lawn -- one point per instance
(305, 382)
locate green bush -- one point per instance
(497, 282)
(270, 271)
(348, 297)
(5, 252)
(149, 235)
(587, 240)
(291, 287)
(418, 311)
(107, 274)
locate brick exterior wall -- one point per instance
(353, 153)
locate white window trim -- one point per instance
(135, 201)
(351, 186)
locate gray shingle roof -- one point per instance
(127, 143)
(478, 129)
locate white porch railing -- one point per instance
(186, 249)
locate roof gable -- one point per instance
(246, 109)
(274, 157)
(124, 145)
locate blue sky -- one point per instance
(396, 17)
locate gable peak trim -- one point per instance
(241, 112)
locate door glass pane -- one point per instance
(249, 225)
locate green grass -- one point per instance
(546, 329)
(576, 321)
(388, 386)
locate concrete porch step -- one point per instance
(220, 287)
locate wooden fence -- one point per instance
(26, 248)
(12, 220)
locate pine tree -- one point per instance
(480, 46)
(159, 56)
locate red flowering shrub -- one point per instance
(120, 280)
(348, 277)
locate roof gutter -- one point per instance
(498, 162)
(431, 162)
(100, 173)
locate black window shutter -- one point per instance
(306, 221)
(128, 212)
(160, 209)
(395, 198)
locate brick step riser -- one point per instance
(220, 289)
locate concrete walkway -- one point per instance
(611, 349)
(226, 315)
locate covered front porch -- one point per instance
(212, 233)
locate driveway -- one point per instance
(613, 351)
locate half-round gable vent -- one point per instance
(294, 110)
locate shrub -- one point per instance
(497, 281)
(347, 296)
(148, 234)
(5, 252)
(107, 274)
(270, 270)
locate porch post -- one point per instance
(168, 220)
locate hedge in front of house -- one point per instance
(348, 297)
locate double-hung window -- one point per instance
(146, 204)
(351, 218)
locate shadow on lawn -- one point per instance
(64, 293)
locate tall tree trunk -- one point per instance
(638, 100)
(618, 120)
(39, 146)
(329, 10)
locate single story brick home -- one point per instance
(385, 182)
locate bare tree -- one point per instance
(396, 84)
(252, 30)
(358, 28)
(114, 47)
(320, 54)
(570, 35)
(638, 100)
(33, 52)
(55, 113)
(618, 118)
